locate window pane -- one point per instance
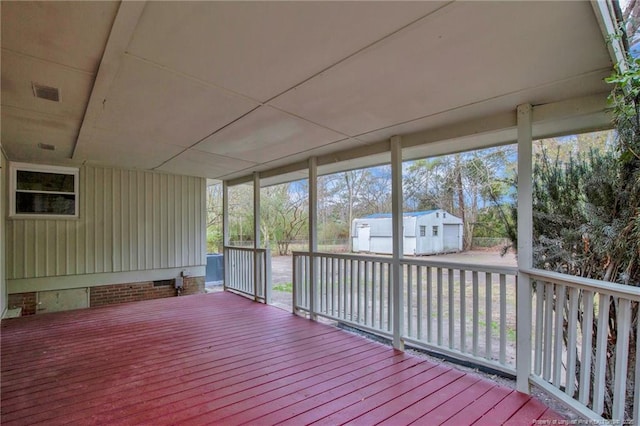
(38, 203)
(43, 181)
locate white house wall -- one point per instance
(129, 221)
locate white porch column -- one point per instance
(398, 237)
(225, 231)
(256, 233)
(313, 235)
(525, 249)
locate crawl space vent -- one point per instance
(46, 92)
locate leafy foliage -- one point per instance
(587, 205)
(586, 214)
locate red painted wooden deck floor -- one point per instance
(222, 359)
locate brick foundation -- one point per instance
(26, 301)
(133, 292)
(115, 293)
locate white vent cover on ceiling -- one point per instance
(46, 92)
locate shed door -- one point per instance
(451, 235)
(364, 235)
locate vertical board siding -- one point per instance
(129, 221)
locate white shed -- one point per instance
(425, 232)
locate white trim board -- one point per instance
(64, 282)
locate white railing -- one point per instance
(581, 356)
(248, 271)
(354, 290)
(462, 310)
(468, 312)
(446, 307)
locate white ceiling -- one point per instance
(221, 89)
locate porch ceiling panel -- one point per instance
(261, 49)
(573, 88)
(266, 134)
(200, 163)
(158, 105)
(55, 44)
(222, 89)
(18, 73)
(67, 33)
(31, 128)
(463, 54)
(127, 149)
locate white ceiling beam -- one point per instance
(122, 30)
(577, 115)
(606, 18)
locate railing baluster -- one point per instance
(548, 330)
(409, 288)
(429, 304)
(351, 278)
(358, 290)
(586, 350)
(296, 282)
(381, 298)
(341, 279)
(488, 282)
(319, 284)
(389, 280)
(558, 338)
(419, 300)
(374, 267)
(503, 318)
(439, 304)
(636, 387)
(333, 286)
(599, 383)
(570, 380)
(463, 311)
(537, 354)
(367, 265)
(452, 321)
(622, 353)
(476, 314)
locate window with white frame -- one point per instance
(43, 191)
(423, 230)
(434, 231)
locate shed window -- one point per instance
(444, 215)
(435, 231)
(43, 191)
(437, 214)
(423, 231)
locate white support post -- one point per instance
(313, 235)
(256, 234)
(225, 232)
(398, 236)
(525, 250)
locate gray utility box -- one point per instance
(215, 268)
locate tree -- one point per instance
(283, 214)
(462, 184)
(586, 217)
(214, 218)
(342, 197)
